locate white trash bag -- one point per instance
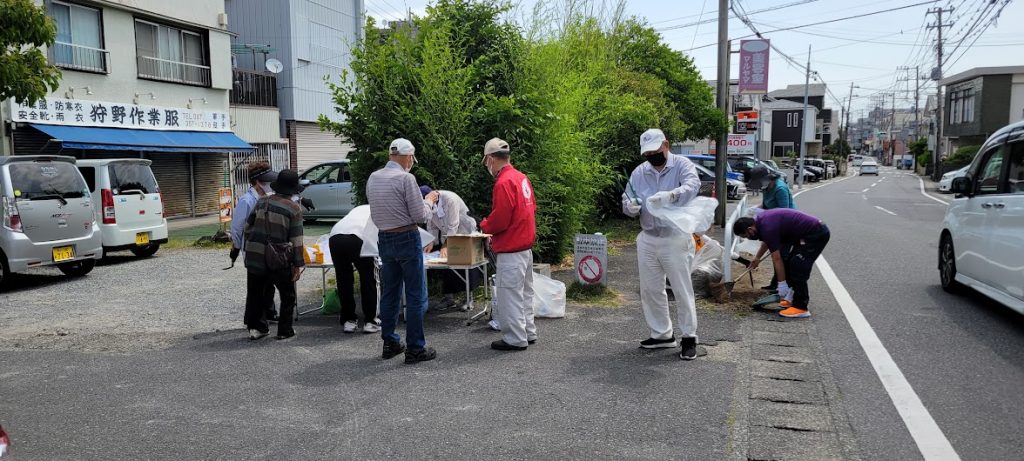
(548, 297)
(695, 217)
(707, 267)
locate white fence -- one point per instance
(238, 164)
(730, 240)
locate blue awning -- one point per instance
(95, 138)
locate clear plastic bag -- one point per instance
(707, 267)
(548, 297)
(695, 217)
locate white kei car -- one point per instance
(981, 245)
(947, 179)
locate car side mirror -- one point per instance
(961, 186)
(304, 182)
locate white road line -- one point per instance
(823, 185)
(930, 195)
(929, 438)
(883, 209)
(865, 190)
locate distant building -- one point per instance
(979, 101)
(783, 122)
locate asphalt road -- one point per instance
(963, 355)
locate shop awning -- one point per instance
(95, 138)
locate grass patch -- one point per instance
(592, 294)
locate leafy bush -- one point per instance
(961, 157)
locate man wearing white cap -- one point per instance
(396, 208)
(513, 228)
(663, 251)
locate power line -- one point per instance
(706, 21)
(980, 33)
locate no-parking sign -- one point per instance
(591, 258)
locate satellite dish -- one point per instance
(274, 66)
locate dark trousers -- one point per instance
(801, 262)
(345, 251)
(259, 298)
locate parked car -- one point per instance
(707, 181)
(868, 167)
(947, 179)
(329, 186)
(708, 161)
(830, 167)
(857, 160)
(981, 245)
(816, 174)
(743, 164)
(47, 216)
(130, 211)
(735, 188)
(820, 164)
(771, 164)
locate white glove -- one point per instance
(659, 200)
(630, 206)
(673, 196)
(785, 292)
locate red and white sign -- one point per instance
(742, 144)
(754, 66)
(591, 258)
(590, 269)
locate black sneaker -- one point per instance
(688, 348)
(281, 336)
(501, 345)
(772, 288)
(651, 343)
(422, 355)
(273, 317)
(392, 349)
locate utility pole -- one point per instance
(937, 76)
(803, 124)
(846, 130)
(723, 104)
(892, 132)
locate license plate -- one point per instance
(63, 254)
(142, 238)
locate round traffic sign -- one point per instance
(590, 269)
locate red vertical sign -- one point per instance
(754, 66)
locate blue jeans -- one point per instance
(401, 256)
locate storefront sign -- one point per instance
(78, 112)
(746, 121)
(754, 66)
(741, 144)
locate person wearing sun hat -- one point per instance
(662, 250)
(397, 208)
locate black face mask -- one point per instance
(657, 159)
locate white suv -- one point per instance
(129, 209)
(982, 240)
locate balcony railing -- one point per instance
(251, 88)
(173, 71)
(79, 57)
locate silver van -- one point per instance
(128, 205)
(47, 216)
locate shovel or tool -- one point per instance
(722, 291)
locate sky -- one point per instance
(866, 51)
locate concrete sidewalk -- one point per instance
(186, 223)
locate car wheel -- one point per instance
(947, 266)
(5, 271)
(145, 251)
(77, 268)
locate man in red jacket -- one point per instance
(513, 228)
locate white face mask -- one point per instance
(266, 188)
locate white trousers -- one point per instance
(660, 258)
(514, 289)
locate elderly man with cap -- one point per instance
(396, 208)
(663, 251)
(260, 177)
(450, 216)
(273, 256)
(513, 228)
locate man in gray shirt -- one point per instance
(396, 208)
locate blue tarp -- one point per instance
(95, 138)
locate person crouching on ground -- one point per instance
(776, 195)
(273, 256)
(664, 251)
(786, 231)
(513, 229)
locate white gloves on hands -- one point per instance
(785, 292)
(673, 196)
(630, 206)
(660, 199)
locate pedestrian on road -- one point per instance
(346, 245)
(786, 231)
(273, 256)
(663, 251)
(449, 215)
(260, 177)
(396, 207)
(776, 195)
(513, 228)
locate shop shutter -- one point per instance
(171, 171)
(315, 146)
(210, 176)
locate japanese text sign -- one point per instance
(754, 66)
(78, 112)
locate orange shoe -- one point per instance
(794, 313)
(785, 304)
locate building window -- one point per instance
(961, 108)
(171, 54)
(793, 120)
(968, 109)
(79, 43)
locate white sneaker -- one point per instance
(255, 334)
(494, 325)
(350, 326)
(370, 327)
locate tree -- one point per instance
(25, 74)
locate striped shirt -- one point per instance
(275, 219)
(395, 199)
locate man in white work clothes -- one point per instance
(663, 250)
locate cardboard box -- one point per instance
(466, 250)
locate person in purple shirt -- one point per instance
(794, 233)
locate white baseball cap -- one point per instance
(651, 140)
(402, 146)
